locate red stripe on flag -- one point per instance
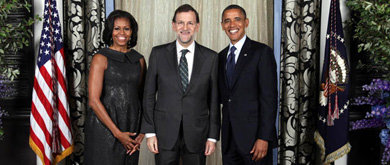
(39, 144)
(64, 142)
(63, 55)
(46, 76)
(61, 79)
(41, 123)
(45, 102)
(64, 114)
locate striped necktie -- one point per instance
(183, 69)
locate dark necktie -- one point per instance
(183, 69)
(230, 65)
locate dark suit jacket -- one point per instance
(166, 105)
(250, 105)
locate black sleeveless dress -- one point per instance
(121, 96)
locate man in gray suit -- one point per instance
(181, 114)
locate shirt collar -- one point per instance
(239, 44)
(120, 56)
(191, 48)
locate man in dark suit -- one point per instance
(181, 114)
(248, 92)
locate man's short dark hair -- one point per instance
(234, 7)
(109, 26)
(185, 8)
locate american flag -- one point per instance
(50, 128)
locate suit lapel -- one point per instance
(172, 61)
(197, 66)
(224, 58)
(242, 60)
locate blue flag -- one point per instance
(332, 128)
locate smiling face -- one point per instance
(121, 32)
(234, 24)
(185, 27)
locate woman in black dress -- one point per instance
(115, 87)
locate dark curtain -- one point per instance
(298, 82)
(83, 28)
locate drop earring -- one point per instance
(129, 42)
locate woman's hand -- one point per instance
(138, 141)
(139, 138)
(126, 140)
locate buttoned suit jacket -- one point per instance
(166, 105)
(250, 105)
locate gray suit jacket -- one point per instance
(166, 105)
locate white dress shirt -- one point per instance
(190, 62)
(189, 57)
(238, 46)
